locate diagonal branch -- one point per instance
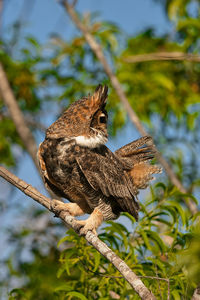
(17, 116)
(162, 56)
(96, 48)
(119, 264)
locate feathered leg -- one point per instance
(92, 223)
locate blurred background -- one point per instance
(153, 48)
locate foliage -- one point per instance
(165, 95)
(153, 247)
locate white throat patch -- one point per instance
(91, 142)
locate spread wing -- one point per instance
(105, 172)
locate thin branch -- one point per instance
(162, 279)
(17, 116)
(70, 221)
(96, 48)
(139, 276)
(113, 276)
(162, 56)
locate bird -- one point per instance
(76, 164)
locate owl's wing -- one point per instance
(104, 172)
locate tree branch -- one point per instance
(162, 56)
(119, 264)
(96, 48)
(17, 116)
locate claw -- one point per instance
(84, 230)
(72, 209)
(57, 206)
(77, 228)
(86, 226)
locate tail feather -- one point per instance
(137, 155)
(142, 174)
(135, 146)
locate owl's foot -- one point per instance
(72, 209)
(92, 223)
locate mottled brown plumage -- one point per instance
(77, 165)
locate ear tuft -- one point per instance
(100, 95)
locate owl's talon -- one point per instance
(57, 206)
(92, 223)
(84, 228)
(72, 209)
(83, 231)
(78, 227)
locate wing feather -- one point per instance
(105, 172)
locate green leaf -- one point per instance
(130, 217)
(161, 185)
(155, 237)
(77, 295)
(175, 294)
(33, 41)
(179, 209)
(63, 287)
(146, 240)
(61, 270)
(64, 239)
(97, 258)
(164, 81)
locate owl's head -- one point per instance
(85, 121)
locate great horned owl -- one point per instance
(77, 165)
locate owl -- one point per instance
(76, 164)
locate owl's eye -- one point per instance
(102, 118)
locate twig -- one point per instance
(96, 48)
(160, 278)
(120, 265)
(120, 277)
(17, 116)
(113, 276)
(162, 56)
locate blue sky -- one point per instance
(42, 17)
